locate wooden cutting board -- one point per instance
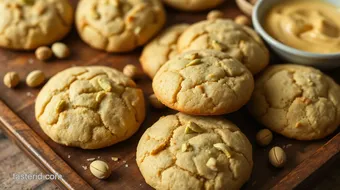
(305, 159)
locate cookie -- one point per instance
(224, 35)
(161, 49)
(296, 101)
(205, 82)
(90, 107)
(190, 152)
(117, 25)
(193, 5)
(29, 24)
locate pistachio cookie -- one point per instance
(161, 49)
(241, 42)
(29, 24)
(117, 25)
(296, 101)
(189, 152)
(90, 107)
(205, 82)
(193, 5)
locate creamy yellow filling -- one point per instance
(309, 25)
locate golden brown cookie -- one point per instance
(193, 5)
(90, 107)
(204, 82)
(189, 152)
(224, 35)
(118, 25)
(296, 101)
(161, 49)
(29, 24)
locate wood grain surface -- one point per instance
(14, 161)
(17, 117)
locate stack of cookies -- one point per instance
(202, 70)
(207, 69)
(223, 35)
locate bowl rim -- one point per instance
(258, 27)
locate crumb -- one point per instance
(287, 146)
(29, 94)
(126, 165)
(90, 159)
(68, 156)
(140, 184)
(124, 161)
(84, 167)
(98, 157)
(30, 61)
(115, 159)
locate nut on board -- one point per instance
(155, 102)
(243, 20)
(131, 71)
(264, 137)
(43, 53)
(215, 14)
(100, 169)
(60, 50)
(35, 78)
(277, 157)
(11, 79)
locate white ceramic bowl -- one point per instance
(321, 61)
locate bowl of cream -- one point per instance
(301, 31)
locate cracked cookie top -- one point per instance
(204, 82)
(193, 5)
(296, 101)
(90, 107)
(29, 24)
(119, 25)
(161, 49)
(241, 42)
(190, 152)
